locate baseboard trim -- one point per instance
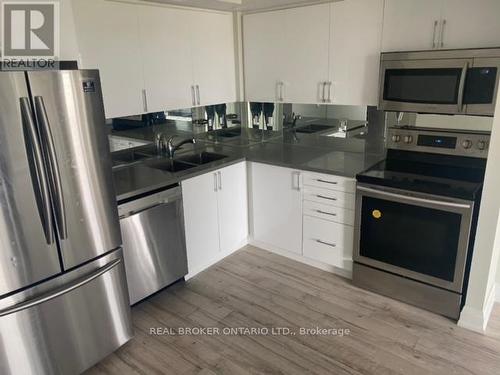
(299, 258)
(216, 259)
(475, 319)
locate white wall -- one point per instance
(481, 291)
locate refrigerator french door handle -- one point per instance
(43, 185)
(43, 119)
(60, 291)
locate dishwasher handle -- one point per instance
(151, 201)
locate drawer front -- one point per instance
(327, 242)
(329, 197)
(328, 212)
(331, 182)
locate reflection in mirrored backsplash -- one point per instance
(349, 128)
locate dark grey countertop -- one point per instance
(140, 178)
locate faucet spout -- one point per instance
(172, 148)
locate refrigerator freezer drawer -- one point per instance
(69, 328)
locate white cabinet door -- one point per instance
(265, 45)
(68, 42)
(108, 37)
(305, 65)
(201, 221)
(233, 207)
(471, 24)
(212, 42)
(165, 46)
(355, 51)
(410, 25)
(276, 207)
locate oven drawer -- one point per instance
(329, 197)
(327, 242)
(327, 181)
(328, 212)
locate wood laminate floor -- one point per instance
(257, 289)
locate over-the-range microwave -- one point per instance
(461, 81)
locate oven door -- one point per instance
(426, 86)
(419, 236)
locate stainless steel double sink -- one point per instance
(150, 157)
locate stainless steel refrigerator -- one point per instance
(63, 297)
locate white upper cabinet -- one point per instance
(108, 38)
(166, 47)
(471, 24)
(286, 54)
(305, 59)
(440, 24)
(355, 42)
(68, 41)
(153, 58)
(212, 42)
(327, 53)
(411, 25)
(264, 44)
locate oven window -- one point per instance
(429, 86)
(416, 238)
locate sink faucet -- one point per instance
(160, 143)
(171, 147)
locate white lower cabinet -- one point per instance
(329, 219)
(276, 207)
(215, 215)
(328, 242)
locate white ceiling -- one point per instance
(241, 5)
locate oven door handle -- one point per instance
(415, 199)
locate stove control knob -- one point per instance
(396, 138)
(408, 139)
(467, 144)
(481, 145)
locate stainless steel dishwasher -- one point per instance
(154, 246)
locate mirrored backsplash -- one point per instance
(348, 128)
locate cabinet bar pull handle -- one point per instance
(198, 94)
(434, 34)
(220, 180)
(443, 25)
(323, 94)
(327, 182)
(193, 97)
(326, 213)
(324, 197)
(326, 243)
(144, 100)
(330, 84)
(215, 182)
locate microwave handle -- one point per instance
(461, 87)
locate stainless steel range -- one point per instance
(416, 217)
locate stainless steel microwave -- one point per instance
(446, 81)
